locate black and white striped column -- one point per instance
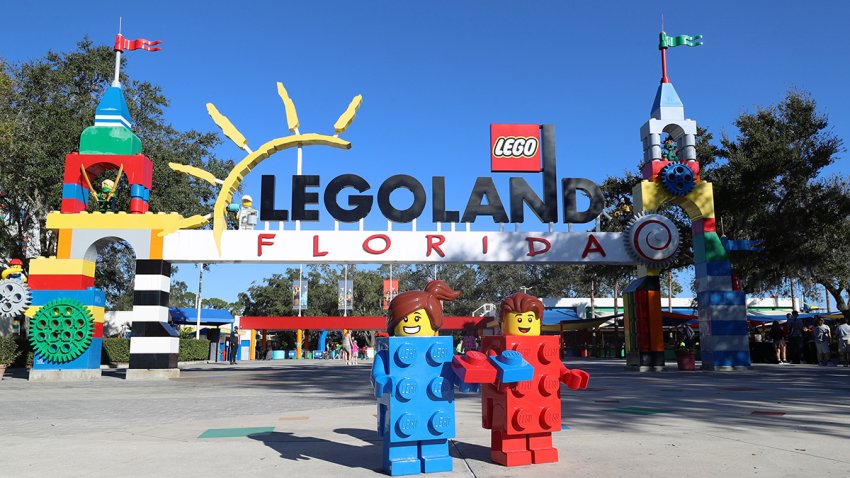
(154, 344)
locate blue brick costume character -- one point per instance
(414, 383)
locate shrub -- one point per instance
(8, 350)
(115, 350)
(192, 350)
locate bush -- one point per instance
(192, 350)
(8, 350)
(115, 350)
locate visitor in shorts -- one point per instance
(346, 347)
(822, 339)
(795, 336)
(778, 337)
(842, 335)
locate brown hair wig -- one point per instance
(519, 303)
(428, 299)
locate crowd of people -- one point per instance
(796, 342)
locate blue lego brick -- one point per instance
(723, 312)
(89, 360)
(92, 296)
(137, 191)
(420, 402)
(75, 191)
(729, 327)
(740, 358)
(720, 268)
(511, 367)
(401, 458)
(721, 297)
(712, 283)
(727, 343)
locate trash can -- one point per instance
(290, 354)
(278, 354)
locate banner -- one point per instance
(299, 295)
(390, 291)
(345, 291)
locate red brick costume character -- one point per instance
(522, 416)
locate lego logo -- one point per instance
(515, 147)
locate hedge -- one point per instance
(192, 350)
(115, 350)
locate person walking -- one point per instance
(823, 337)
(355, 351)
(842, 335)
(346, 347)
(795, 336)
(233, 345)
(777, 335)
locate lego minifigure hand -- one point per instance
(383, 384)
(575, 379)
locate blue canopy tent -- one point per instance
(209, 317)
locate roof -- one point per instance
(189, 316)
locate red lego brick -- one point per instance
(60, 282)
(137, 167)
(651, 169)
(474, 367)
(694, 165)
(98, 330)
(138, 206)
(70, 206)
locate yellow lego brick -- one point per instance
(111, 220)
(97, 313)
(156, 245)
(649, 195)
(54, 266)
(699, 203)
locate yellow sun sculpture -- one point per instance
(231, 183)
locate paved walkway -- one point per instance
(319, 415)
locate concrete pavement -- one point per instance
(318, 420)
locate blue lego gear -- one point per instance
(511, 367)
(678, 179)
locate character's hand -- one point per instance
(382, 385)
(575, 379)
(468, 387)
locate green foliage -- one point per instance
(194, 350)
(180, 295)
(8, 350)
(115, 350)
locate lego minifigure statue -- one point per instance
(105, 198)
(414, 382)
(14, 271)
(670, 151)
(522, 416)
(247, 214)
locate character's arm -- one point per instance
(575, 379)
(381, 380)
(507, 367)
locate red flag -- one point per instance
(122, 44)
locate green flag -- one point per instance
(665, 41)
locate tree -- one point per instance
(44, 106)
(770, 187)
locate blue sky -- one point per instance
(434, 75)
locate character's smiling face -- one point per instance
(521, 323)
(414, 324)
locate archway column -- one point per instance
(154, 345)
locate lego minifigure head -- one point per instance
(521, 314)
(247, 201)
(107, 185)
(669, 140)
(419, 313)
(16, 266)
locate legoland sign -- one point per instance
(512, 148)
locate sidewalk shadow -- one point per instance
(295, 448)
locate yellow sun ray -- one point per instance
(227, 127)
(291, 114)
(347, 116)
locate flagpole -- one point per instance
(115, 82)
(664, 78)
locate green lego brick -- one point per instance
(714, 250)
(109, 140)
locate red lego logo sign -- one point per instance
(515, 148)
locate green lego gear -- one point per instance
(62, 330)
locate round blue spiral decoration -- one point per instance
(678, 178)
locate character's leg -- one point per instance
(509, 450)
(435, 456)
(540, 445)
(401, 458)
